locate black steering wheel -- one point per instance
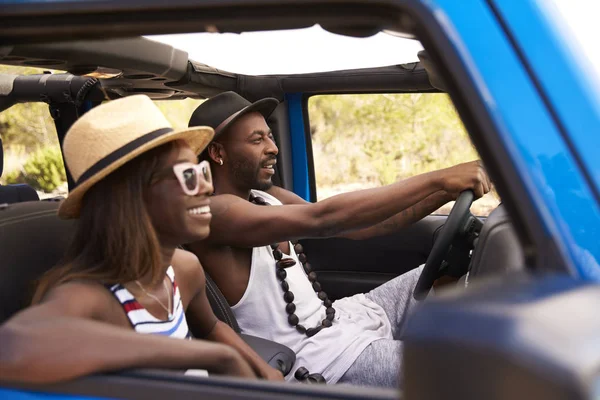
(457, 224)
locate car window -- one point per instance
(32, 152)
(369, 140)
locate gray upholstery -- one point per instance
(33, 239)
(498, 249)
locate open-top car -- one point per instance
(520, 321)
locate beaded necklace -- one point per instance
(288, 296)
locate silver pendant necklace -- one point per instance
(169, 305)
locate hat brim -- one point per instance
(197, 137)
(264, 106)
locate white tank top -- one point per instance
(261, 312)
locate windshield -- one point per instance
(293, 51)
(578, 18)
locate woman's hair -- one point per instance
(114, 241)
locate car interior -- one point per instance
(33, 238)
(142, 64)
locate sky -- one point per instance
(293, 51)
(580, 30)
(316, 50)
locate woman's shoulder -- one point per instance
(81, 298)
(83, 290)
(189, 275)
(187, 268)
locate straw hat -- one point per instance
(110, 135)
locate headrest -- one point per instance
(498, 249)
(32, 240)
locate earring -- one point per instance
(220, 161)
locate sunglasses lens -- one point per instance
(189, 177)
(206, 173)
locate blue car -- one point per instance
(521, 323)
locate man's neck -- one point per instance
(223, 186)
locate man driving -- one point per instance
(253, 255)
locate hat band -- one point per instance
(120, 152)
(227, 120)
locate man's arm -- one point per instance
(403, 219)
(60, 339)
(236, 222)
(203, 322)
(393, 224)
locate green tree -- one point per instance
(377, 139)
(28, 129)
(44, 170)
(26, 125)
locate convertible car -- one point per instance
(522, 320)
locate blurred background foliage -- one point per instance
(26, 127)
(43, 170)
(31, 149)
(367, 140)
(378, 139)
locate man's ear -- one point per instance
(216, 152)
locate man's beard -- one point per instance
(246, 175)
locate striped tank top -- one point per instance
(144, 322)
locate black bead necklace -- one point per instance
(288, 296)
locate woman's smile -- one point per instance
(200, 213)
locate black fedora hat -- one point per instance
(224, 109)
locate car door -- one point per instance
(365, 140)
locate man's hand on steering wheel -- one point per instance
(468, 181)
(466, 176)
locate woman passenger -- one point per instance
(139, 194)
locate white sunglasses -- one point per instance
(190, 175)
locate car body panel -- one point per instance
(169, 384)
(556, 62)
(575, 104)
(536, 146)
(556, 176)
(14, 394)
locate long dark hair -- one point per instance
(115, 241)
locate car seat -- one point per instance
(14, 193)
(498, 250)
(33, 239)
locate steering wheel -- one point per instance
(456, 224)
